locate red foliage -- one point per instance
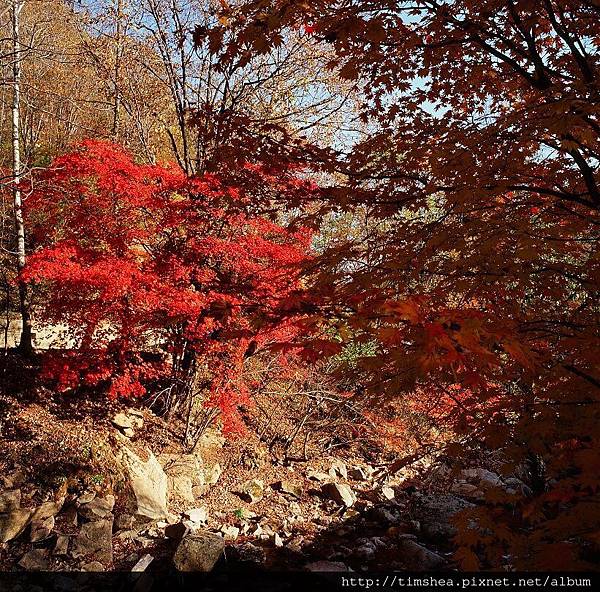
(479, 267)
(140, 258)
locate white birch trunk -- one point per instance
(25, 344)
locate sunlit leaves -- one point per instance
(142, 263)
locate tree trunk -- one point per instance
(25, 344)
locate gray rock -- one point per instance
(342, 494)
(99, 507)
(124, 521)
(143, 563)
(418, 558)
(338, 469)
(41, 529)
(95, 540)
(35, 560)
(467, 490)
(149, 484)
(47, 509)
(184, 472)
(289, 488)
(327, 566)
(198, 552)
(196, 515)
(212, 474)
(10, 500)
(122, 421)
(62, 545)
(230, 533)
(13, 523)
(252, 490)
(93, 566)
(436, 513)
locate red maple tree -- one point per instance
(480, 175)
(138, 259)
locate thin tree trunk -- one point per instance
(25, 345)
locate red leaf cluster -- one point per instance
(138, 259)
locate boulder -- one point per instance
(99, 507)
(10, 500)
(199, 552)
(252, 490)
(338, 469)
(93, 566)
(35, 560)
(41, 529)
(95, 540)
(61, 546)
(13, 523)
(289, 488)
(230, 533)
(47, 509)
(149, 483)
(416, 557)
(212, 474)
(143, 563)
(196, 515)
(342, 494)
(184, 472)
(327, 566)
(317, 476)
(436, 514)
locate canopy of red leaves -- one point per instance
(138, 258)
(480, 268)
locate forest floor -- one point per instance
(330, 512)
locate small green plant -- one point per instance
(97, 479)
